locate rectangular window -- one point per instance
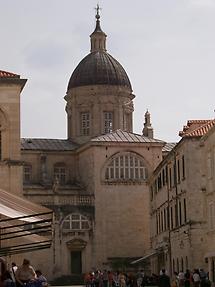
(176, 215)
(180, 218)
(178, 171)
(27, 170)
(174, 174)
(85, 124)
(167, 178)
(167, 217)
(170, 178)
(0, 147)
(60, 174)
(108, 122)
(171, 217)
(157, 229)
(209, 166)
(161, 220)
(185, 211)
(211, 216)
(163, 177)
(183, 167)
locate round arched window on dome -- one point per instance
(126, 166)
(75, 222)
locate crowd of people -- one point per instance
(197, 278)
(23, 275)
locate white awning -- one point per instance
(13, 206)
(29, 241)
(143, 258)
(22, 223)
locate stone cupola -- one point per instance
(148, 129)
(99, 93)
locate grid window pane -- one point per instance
(76, 222)
(125, 167)
(60, 173)
(27, 173)
(85, 124)
(108, 122)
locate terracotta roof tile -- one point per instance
(4, 74)
(197, 128)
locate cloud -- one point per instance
(203, 3)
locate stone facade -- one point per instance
(180, 201)
(116, 195)
(10, 156)
(96, 180)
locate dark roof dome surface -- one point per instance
(99, 68)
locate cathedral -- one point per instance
(95, 180)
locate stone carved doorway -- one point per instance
(76, 262)
(76, 247)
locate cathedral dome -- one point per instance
(99, 68)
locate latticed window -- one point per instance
(60, 172)
(108, 122)
(27, 173)
(85, 124)
(76, 222)
(126, 166)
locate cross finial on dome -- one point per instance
(97, 11)
(98, 37)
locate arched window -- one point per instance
(27, 173)
(126, 166)
(75, 222)
(60, 172)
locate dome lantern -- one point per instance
(98, 37)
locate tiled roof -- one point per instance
(122, 136)
(196, 128)
(47, 144)
(168, 147)
(4, 74)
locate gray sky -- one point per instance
(167, 48)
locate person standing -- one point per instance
(25, 273)
(187, 278)
(196, 278)
(164, 280)
(13, 271)
(181, 278)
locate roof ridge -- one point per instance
(204, 125)
(24, 138)
(6, 74)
